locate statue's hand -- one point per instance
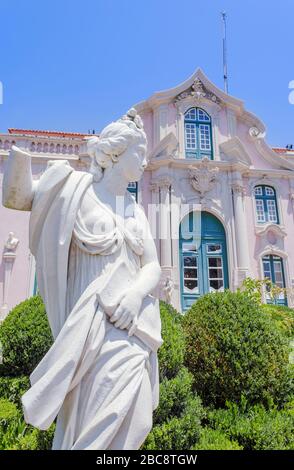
(127, 311)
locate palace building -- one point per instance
(207, 154)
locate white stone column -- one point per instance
(241, 237)
(164, 222)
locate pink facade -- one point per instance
(204, 150)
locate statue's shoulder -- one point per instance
(56, 172)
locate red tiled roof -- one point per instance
(46, 133)
(282, 150)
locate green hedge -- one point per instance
(256, 428)
(233, 348)
(213, 439)
(171, 353)
(25, 337)
(177, 433)
(12, 388)
(175, 395)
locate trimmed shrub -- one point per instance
(25, 337)
(171, 353)
(12, 388)
(213, 439)
(175, 395)
(233, 348)
(255, 428)
(177, 433)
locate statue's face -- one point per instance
(133, 161)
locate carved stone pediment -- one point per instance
(203, 178)
(198, 90)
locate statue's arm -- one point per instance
(18, 185)
(150, 272)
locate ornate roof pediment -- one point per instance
(198, 91)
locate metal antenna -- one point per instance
(225, 65)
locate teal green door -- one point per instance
(203, 257)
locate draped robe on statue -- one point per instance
(100, 383)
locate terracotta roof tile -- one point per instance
(46, 133)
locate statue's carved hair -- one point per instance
(113, 141)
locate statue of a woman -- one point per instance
(96, 266)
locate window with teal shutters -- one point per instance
(266, 204)
(273, 269)
(198, 136)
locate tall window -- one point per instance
(133, 189)
(273, 270)
(266, 204)
(198, 137)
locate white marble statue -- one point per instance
(96, 266)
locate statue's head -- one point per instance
(121, 143)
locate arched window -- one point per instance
(266, 204)
(198, 136)
(273, 269)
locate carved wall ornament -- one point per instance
(254, 131)
(198, 90)
(168, 289)
(203, 178)
(11, 243)
(238, 188)
(162, 183)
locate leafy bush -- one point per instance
(178, 433)
(17, 435)
(282, 316)
(213, 439)
(232, 347)
(256, 428)
(12, 388)
(25, 337)
(8, 412)
(34, 440)
(175, 395)
(171, 353)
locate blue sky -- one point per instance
(75, 65)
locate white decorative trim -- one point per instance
(263, 229)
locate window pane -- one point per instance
(278, 273)
(215, 273)
(202, 115)
(260, 213)
(190, 273)
(213, 248)
(215, 262)
(190, 134)
(272, 211)
(204, 131)
(216, 285)
(190, 261)
(188, 247)
(191, 114)
(269, 191)
(191, 286)
(258, 191)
